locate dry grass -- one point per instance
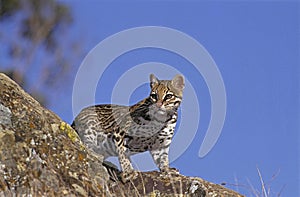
(265, 190)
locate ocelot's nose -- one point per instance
(159, 104)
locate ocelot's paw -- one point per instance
(169, 171)
(126, 176)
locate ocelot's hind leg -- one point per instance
(125, 163)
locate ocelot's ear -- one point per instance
(153, 80)
(178, 82)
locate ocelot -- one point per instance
(116, 130)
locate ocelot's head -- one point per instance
(166, 95)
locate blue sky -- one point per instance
(256, 48)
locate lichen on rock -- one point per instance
(41, 155)
(5, 114)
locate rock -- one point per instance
(41, 155)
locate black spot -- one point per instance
(177, 103)
(128, 137)
(147, 117)
(121, 142)
(117, 139)
(161, 140)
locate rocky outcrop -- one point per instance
(40, 155)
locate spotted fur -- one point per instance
(115, 130)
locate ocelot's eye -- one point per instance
(168, 96)
(153, 96)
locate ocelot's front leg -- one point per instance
(161, 158)
(127, 169)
